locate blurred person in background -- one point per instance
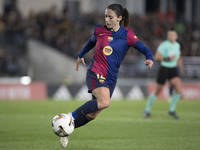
(168, 53)
(112, 42)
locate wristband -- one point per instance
(166, 59)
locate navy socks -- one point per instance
(80, 121)
(88, 107)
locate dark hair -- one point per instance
(172, 29)
(120, 11)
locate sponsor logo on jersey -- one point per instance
(107, 50)
(135, 37)
(110, 39)
(101, 34)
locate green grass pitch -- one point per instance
(26, 125)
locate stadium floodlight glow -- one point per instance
(25, 80)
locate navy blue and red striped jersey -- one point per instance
(111, 48)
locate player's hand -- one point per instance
(79, 60)
(172, 57)
(149, 63)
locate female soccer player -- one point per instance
(112, 42)
(168, 53)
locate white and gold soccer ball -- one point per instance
(63, 125)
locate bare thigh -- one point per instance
(176, 83)
(158, 88)
(102, 95)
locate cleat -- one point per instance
(174, 115)
(64, 141)
(147, 115)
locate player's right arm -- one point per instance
(88, 46)
(78, 61)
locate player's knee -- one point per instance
(106, 103)
(103, 103)
(178, 91)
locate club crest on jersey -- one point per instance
(107, 50)
(110, 39)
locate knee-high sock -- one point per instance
(152, 97)
(175, 99)
(80, 121)
(88, 107)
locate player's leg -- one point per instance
(101, 92)
(171, 88)
(84, 119)
(91, 108)
(161, 78)
(99, 88)
(152, 97)
(103, 95)
(80, 117)
(176, 82)
(103, 102)
(171, 91)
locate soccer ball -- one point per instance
(63, 125)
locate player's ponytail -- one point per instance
(120, 11)
(125, 18)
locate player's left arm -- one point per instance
(89, 45)
(133, 40)
(144, 50)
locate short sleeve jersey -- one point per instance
(111, 48)
(167, 49)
